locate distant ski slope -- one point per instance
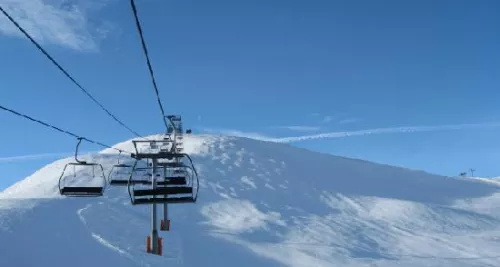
(261, 204)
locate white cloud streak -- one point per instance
(351, 120)
(258, 136)
(32, 157)
(327, 119)
(24, 158)
(300, 128)
(57, 22)
(390, 130)
(236, 133)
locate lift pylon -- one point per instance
(157, 192)
(175, 129)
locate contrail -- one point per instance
(32, 157)
(37, 156)
(391, 130)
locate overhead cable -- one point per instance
(59, 129)
(65, 72)
(145, 50)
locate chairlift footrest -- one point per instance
(172, 164)
(82, 191)
(118, 182)
(173, 181)
(163, 191)
(159, 155)
(173, 200)
(125, 182)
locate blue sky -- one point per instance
(267, 69)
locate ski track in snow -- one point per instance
(259, 206)
(80, 211)
(107, 244)
(97, 237)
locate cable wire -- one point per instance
(59, 129)
(144, 48)
(65, 72)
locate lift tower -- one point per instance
(162, 153)
(173, 171)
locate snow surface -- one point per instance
(260, 204)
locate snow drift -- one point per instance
(260, 204)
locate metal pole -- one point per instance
(165, 205)
(165, 213)
(154, 233)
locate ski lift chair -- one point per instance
(81, 191)
(164, 193)
(114, 177)
(144, 179)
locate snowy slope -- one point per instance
(261, 204)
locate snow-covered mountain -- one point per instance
(260, 204)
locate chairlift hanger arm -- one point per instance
(119, 154)
(80, 139)
(129, 184)
(76, 151)
(197, 178)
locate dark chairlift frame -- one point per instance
(82, 191)
(136, 180)
(159, 195)
(176, 179)
(119, 182)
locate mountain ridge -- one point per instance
(261, 204)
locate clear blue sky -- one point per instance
(260, 67)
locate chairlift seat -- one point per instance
(176, 181)
(122, 165)
(114, 177)
(174, 189)
(125, 182)
(163, 191)
(175, 178)
(172, 164)
(163, 200)
(82, 191)
(159, 155)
